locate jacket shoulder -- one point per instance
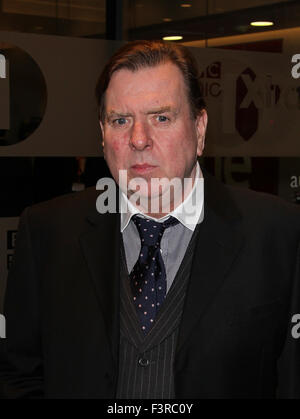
(266, 211)
(255, 209)
(262, 203)
(70, 209)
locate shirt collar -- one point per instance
(189, 212)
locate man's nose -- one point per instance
(140, 138)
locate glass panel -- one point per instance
(88, 10)
(65, 17)
(203, 20)
(145, 13)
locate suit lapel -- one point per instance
(100, 246)
(218, 244)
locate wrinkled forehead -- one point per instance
(157, 85)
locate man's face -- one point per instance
(149, 130)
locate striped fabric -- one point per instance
(146, 362)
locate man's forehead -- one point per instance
(164, 72)
(148, 90)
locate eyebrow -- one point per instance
(155, 111)
(159, 110)
(117, 114)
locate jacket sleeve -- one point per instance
(21, 374)
(289, 362)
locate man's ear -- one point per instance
(201, 125)
(102, 132)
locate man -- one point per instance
(194, 299)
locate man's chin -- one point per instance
(143, 195)
(155, 202)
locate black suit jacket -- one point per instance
(235, 341)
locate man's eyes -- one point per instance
(122, 121)
(162, 118)
(119, 121)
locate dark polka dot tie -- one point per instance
(148, 276)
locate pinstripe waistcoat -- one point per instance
(146, 362)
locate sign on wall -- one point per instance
(253, 103)
(67, 114)
(23, 95)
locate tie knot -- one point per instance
(150, 231)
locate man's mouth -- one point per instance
(142, 168)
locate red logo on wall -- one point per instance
(246, 119)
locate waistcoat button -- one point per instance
(143, 362)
